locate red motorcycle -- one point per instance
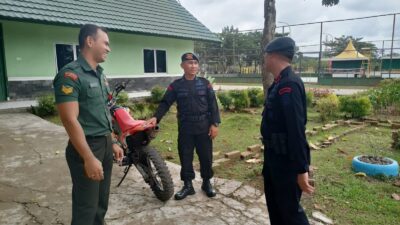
(134, 137)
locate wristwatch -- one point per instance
(216, 124)
(115, 141)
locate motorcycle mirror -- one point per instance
(120, 87)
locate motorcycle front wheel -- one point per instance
(159, 177)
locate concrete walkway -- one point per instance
(35, 186)
(22, 105)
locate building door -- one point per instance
(3, 77)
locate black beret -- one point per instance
(283, 45)
(189, 56)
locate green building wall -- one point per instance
(30, 50)
(395, 65)
(347, 64)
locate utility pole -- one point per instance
(391, 48)
(320, 51)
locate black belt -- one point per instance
(194, 118)
(277, 142)
(91, 137)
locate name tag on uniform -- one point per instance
(93, 85)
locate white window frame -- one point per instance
(155, 61)
(74, 46)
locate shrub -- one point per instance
(123, 98)
(151, 109)
(210, 79)
(225, 99)
(157, 94)
(309, 98)
(256, 97)
(355, 106)
(261, 98)
(320, 92)
(386, 95)
(46, 106)
(328, 107)
(138, 109)
(240, 99)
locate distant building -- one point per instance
(386, 65)
(349, 63)
(37, 38)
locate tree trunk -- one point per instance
(268, 35)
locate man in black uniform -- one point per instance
(287, 154)
(198, 119)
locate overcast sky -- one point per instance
(248, 14)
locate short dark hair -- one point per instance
(88, 30)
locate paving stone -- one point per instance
(357, 123)
(216, 165)
(216, 154)
(317, 128)
(254, 148)
(321, 217)
(313, 146)
(395, 125)
(313, 222)
(228, 187)
(254, 161)
(247, 193)
(246, 155)
(339, 122)
(235, 155)
(28, 197)
(222, 161)
(373, 123)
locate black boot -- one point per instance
(186, 190)
(208, 189)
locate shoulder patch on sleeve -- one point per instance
(71, 76)
(170, 88)
(285, 90)
(67, 89)
(209, 86)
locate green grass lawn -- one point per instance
(342, 196)
(350, 199)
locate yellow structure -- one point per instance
(350, 53)
(350, 63)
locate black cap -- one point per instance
(283, 45)
(189, 56)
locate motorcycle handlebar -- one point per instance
(120, 87)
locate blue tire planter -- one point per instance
(389, 170)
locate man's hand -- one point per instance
(118, 152)
(94, 169)
(151, 122)
(69, 112)
(302, 180)
(213, 132)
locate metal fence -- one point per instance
(378, 58)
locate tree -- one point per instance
(209, 53)
(235, 49)
(339, 44)
(268, 34)
(330, 2)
